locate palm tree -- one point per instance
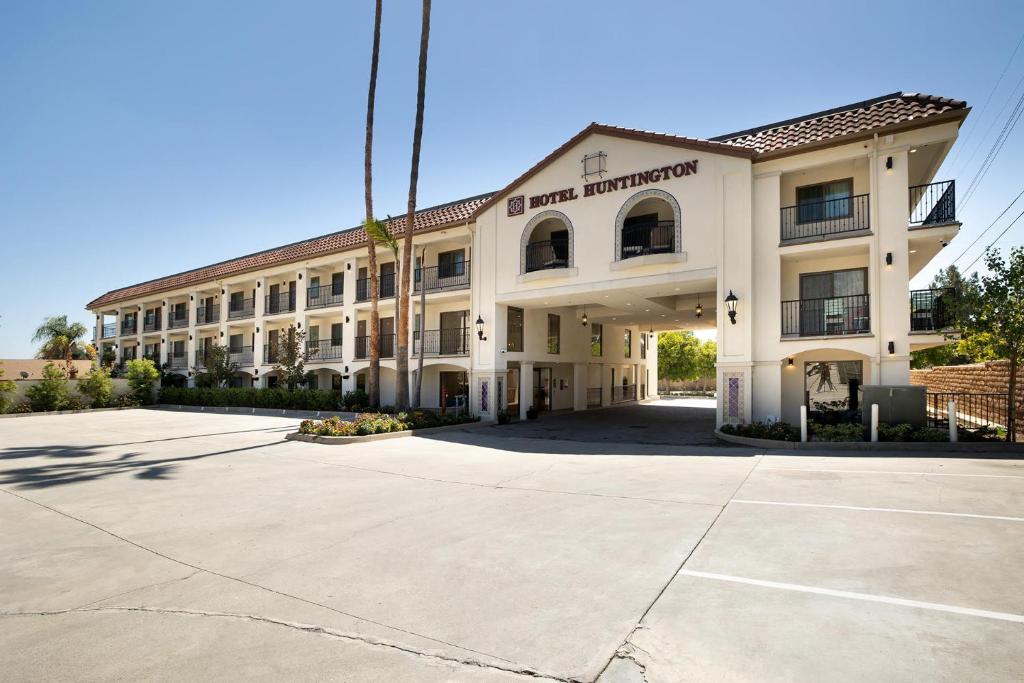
(402, 362)
(60, 338)
(373, 383)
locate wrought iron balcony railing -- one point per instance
(932, 310)
(593, 397)
(448, 342)
(826, 219)
(385, 286)
(933, 204)
(837, 315)
(177, 319)
(282, 302)
(177, 361)
(129, 325)
(386, 346)
(547, 254)
(209, 313)
(109, 330)
(322, 296)
(151, 323)
(651, 237)
(241, 308)
(442, 278)
(271, 353)
(324, 350)
(240, 355)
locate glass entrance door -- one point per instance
(542, 388)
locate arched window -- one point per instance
(547, 243)
(648, 223)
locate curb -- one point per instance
(345, 440)
(866, 446)
(70, 412)
(266, 412)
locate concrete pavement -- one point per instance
(159, 545)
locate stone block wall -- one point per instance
(991, 377)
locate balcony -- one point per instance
(932, 310)
(324, 350)
(933, 204)
(283, 302)
(547, 255)
(835, 316)
(109, 330)
(648, 238)
(177, 319)
(200, 359)
(386, 287)
(386, 346)
(129, 326)
(323, 296)
(151, 323)
(442, 278)
(177, 361)
(449, 342)
(241, 308)
(271, 353)
(826, 219)
(240, 355)
(154, 357)
(208, 314)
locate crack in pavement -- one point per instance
(626, 646)
(306, 628)
(255, 585)
(136, 590)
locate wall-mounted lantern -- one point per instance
(888, 165)
(888, 260)
(789, 362)
(480, 328)
(892, 348)
(730, 302)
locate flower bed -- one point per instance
(854, 432)
(381, 423)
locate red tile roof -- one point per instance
(834, 126)
(433, 218)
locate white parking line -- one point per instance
(926, 474)
(936, 606)
(872, 509)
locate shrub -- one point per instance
(7, 387)
(355, 400)
(96, 386)
(126, 401)
(76, 403)
(250, 397)
(778, 431)
(142, 374)
(51, 392)
(380, 423)
(837, 432)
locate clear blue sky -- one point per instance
(141, 139)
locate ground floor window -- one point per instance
(554, 333)
(454, 388)
(832, 385)
(515, 329)
(596, 339)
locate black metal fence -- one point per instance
(177, 318)
(449, 342)
(933, 204)
(454, 275)
(649, 237)
(322, 296)
(240, 355)
(109, 330)
(386, 346)
(932, 309)
(324, 350)
(385, 287)
(826, 218)
(973, 411)
(282, 302)
(208, 313)
(241, 308)
(825, 317)
(593, 397)
(547, 254)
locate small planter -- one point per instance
(531, 413)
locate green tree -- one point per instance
(7, 387)
(97, 386)
(707, 360)
(142, 374)
(678, 355)
(963, 345)
(292, 357)
(998, 313)
(219, 367)
(60, 338)
(51, 392)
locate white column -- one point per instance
(606, 385)
(525, 388)
(579, 386)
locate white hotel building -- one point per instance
(814, 226)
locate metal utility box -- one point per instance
(897, 404)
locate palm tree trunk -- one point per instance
(373, 383)
(417, 399)
(402, 398)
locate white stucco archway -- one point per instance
(532, 224)
(629, 204)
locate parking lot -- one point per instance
(160, 545)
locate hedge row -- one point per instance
(301, 399)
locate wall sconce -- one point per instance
(730, 302)
(140, 308)
(223, 292)
(346, 318)
(257, 330)
(789, 362)
(190, 337)
(300, 276)
(298, 326)
(259, 284)
(348, 266)
(191, 298)
(480, 328)
(892, 348)
(221, 335)
(888, 260)
(346, 369)
(888, 165)
(256, 371)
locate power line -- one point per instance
(997, 147)
(982, 234)
(994, 241)
(984, 107)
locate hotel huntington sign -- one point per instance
(517, 204)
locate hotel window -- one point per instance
(235, 343)
(337, 284)
(451, 263)
(627, 343)
(643, 345)
(823, 201)
(314, 287)
(515, 329)
(554, 333)
(596, 339)
(335, 334)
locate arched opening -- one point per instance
(648, 224)
(547, 242)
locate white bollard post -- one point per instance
(874, 423)
(951, 416)
(803, 424)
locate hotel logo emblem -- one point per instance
(516, 205)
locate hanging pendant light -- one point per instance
(699, 311)
(584, 319)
